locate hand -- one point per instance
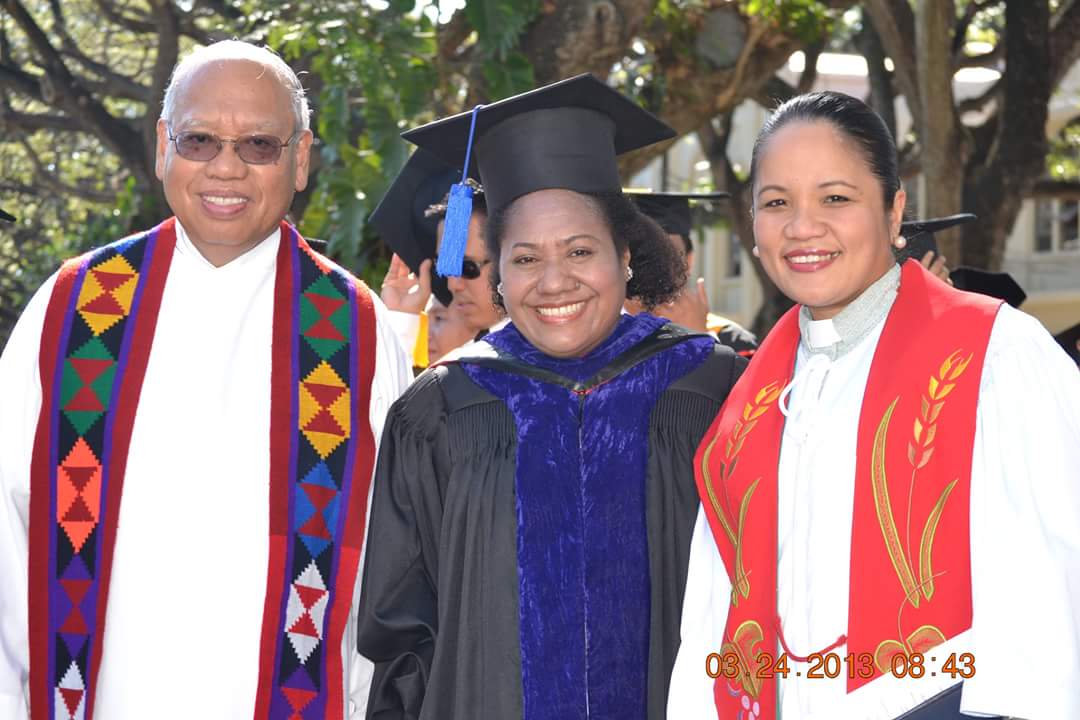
(405, 291)
(936, 265)
(690, 309)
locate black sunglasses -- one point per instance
(470, 269)
(252, 149)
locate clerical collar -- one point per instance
(836, 336)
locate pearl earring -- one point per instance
(755, 252)
(629, 273)
(499, 289)
(900, 242)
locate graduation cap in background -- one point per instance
(995, 284)
(4, 215)
(671, 211)
(919, 234)
(564, 135)
(1068, 339)
(401, 219)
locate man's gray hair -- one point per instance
(240, 50)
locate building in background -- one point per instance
(1042, 251)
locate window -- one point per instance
(1070, 228)
(734, 266)
(1057, 225)
(1044, 221)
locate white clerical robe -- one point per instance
(188, 583)
(1025, 543)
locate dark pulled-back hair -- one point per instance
(437, 211)
(659, 268)
(854, 119)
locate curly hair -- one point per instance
(479, 202)
(659, 268)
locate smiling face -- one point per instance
(563, 280)
(226, 205)
(820, 223)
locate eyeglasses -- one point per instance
(252, 149)
(470, 269)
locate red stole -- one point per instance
(915, 441)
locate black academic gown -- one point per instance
(439, 602)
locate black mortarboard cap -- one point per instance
(919, 234)
(400, 218)
(4, 215)
(911, 228)
(1068, 339)
(995, 284)
(564, 135)
(670, 210)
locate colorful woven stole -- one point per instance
(96, 342)
(915, 442)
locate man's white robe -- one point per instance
(188, 583)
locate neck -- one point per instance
(835, 335)
(220, 254)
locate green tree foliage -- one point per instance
(81, 83)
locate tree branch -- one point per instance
(31, 122)
(72, 97)
(43, 177)
(133, 24)
(979, 102)
(809, 73)
(983, 60)
(895, 25)
(110, 83)
(881, 83)
(21, 82)
(960, 33)
(1064, 41)
(452, 35)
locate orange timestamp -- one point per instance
(832, 665)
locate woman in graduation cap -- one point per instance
(891, 505)
(534, 498)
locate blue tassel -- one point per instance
(455, 230)
(458, 212)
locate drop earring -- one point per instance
(900, 242)
(499, 289)
(755, 252)
(629, 273)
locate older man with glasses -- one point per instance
(189, 424)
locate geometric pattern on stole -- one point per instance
(325, 486)
(88, 412)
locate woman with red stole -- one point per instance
(890, 520)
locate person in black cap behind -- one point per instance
(409, 219)
(534, 500)
(1069, 340)
(671, 211)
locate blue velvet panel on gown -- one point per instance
(582, 547)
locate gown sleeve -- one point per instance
(393, 373)
(20, 404)
(398, 615)
(678, 423)
(1025, 526)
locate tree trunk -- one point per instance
(1016, 154)
(714, 145)
(944, 152)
